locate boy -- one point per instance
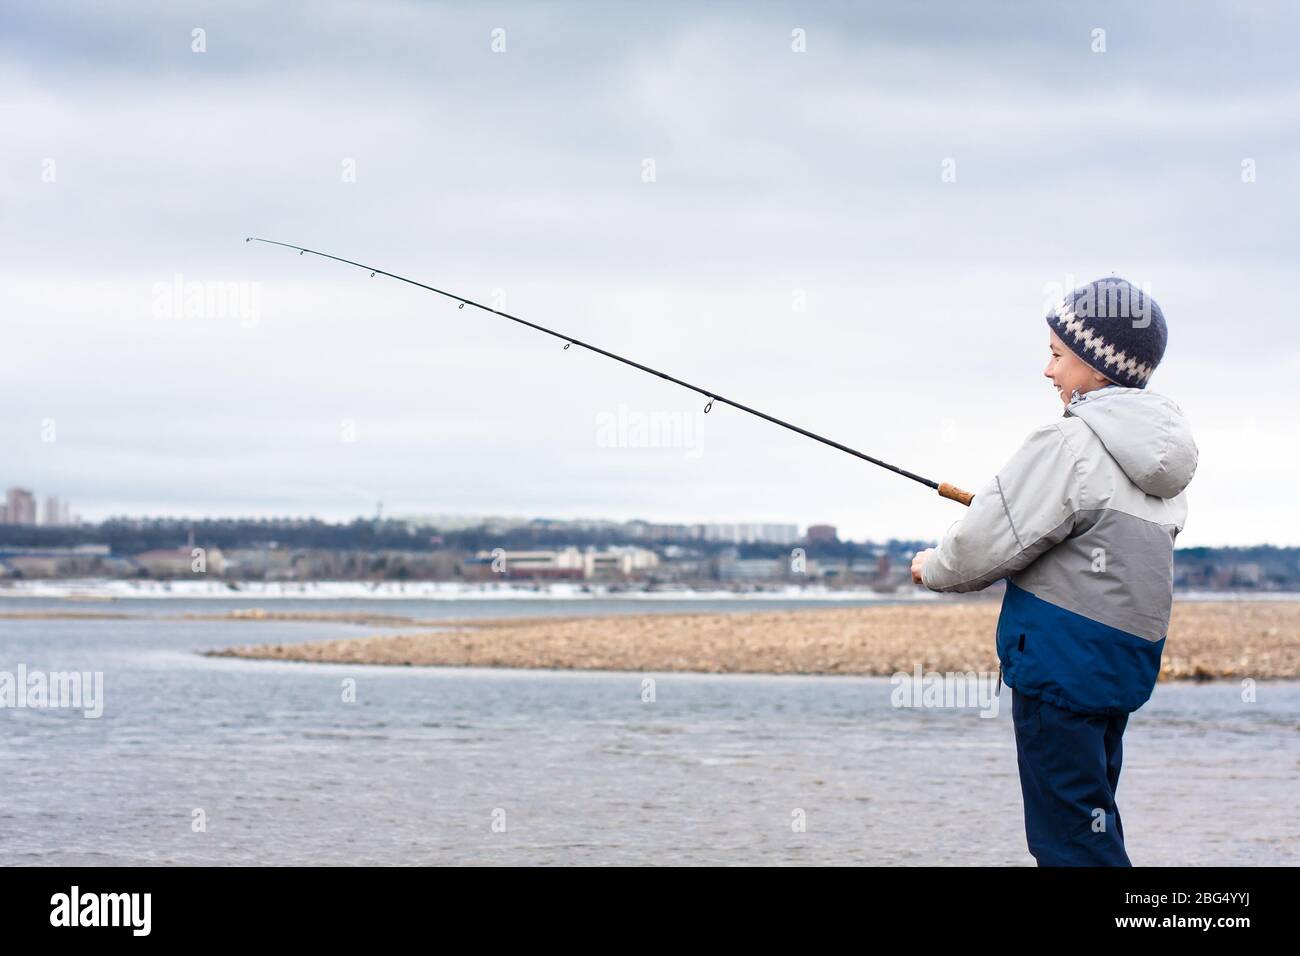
(1081, 522)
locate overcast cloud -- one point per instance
(128, 160)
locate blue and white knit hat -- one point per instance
(1113, 326)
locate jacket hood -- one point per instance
(1145, 433)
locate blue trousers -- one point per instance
(1069, 770)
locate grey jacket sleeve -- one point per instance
(1026, 509)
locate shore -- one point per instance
(1207, 639)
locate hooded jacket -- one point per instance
(1081, 522)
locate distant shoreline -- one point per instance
(112, 589)
(1207, 640)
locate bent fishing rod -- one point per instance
(944, 488)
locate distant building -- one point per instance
(56, 512)
(618, 562)
(49, 562)
(20, 506)
(779, 533)
(180, 562)
(451, 523)
(822, 534)
(751, 533)
(262, 563)
(32, 566)
(565, 563)
(751, 569)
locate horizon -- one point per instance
(426, 521)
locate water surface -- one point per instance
(578, 766)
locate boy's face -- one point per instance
(1070, 373)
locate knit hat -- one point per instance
(1113, 326)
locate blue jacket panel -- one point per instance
(1073, 661)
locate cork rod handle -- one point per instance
(956, 494)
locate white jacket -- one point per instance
(1081, 522)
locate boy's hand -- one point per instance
(918, 564)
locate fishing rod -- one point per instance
(946, 490)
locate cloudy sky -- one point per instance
(676, 183)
